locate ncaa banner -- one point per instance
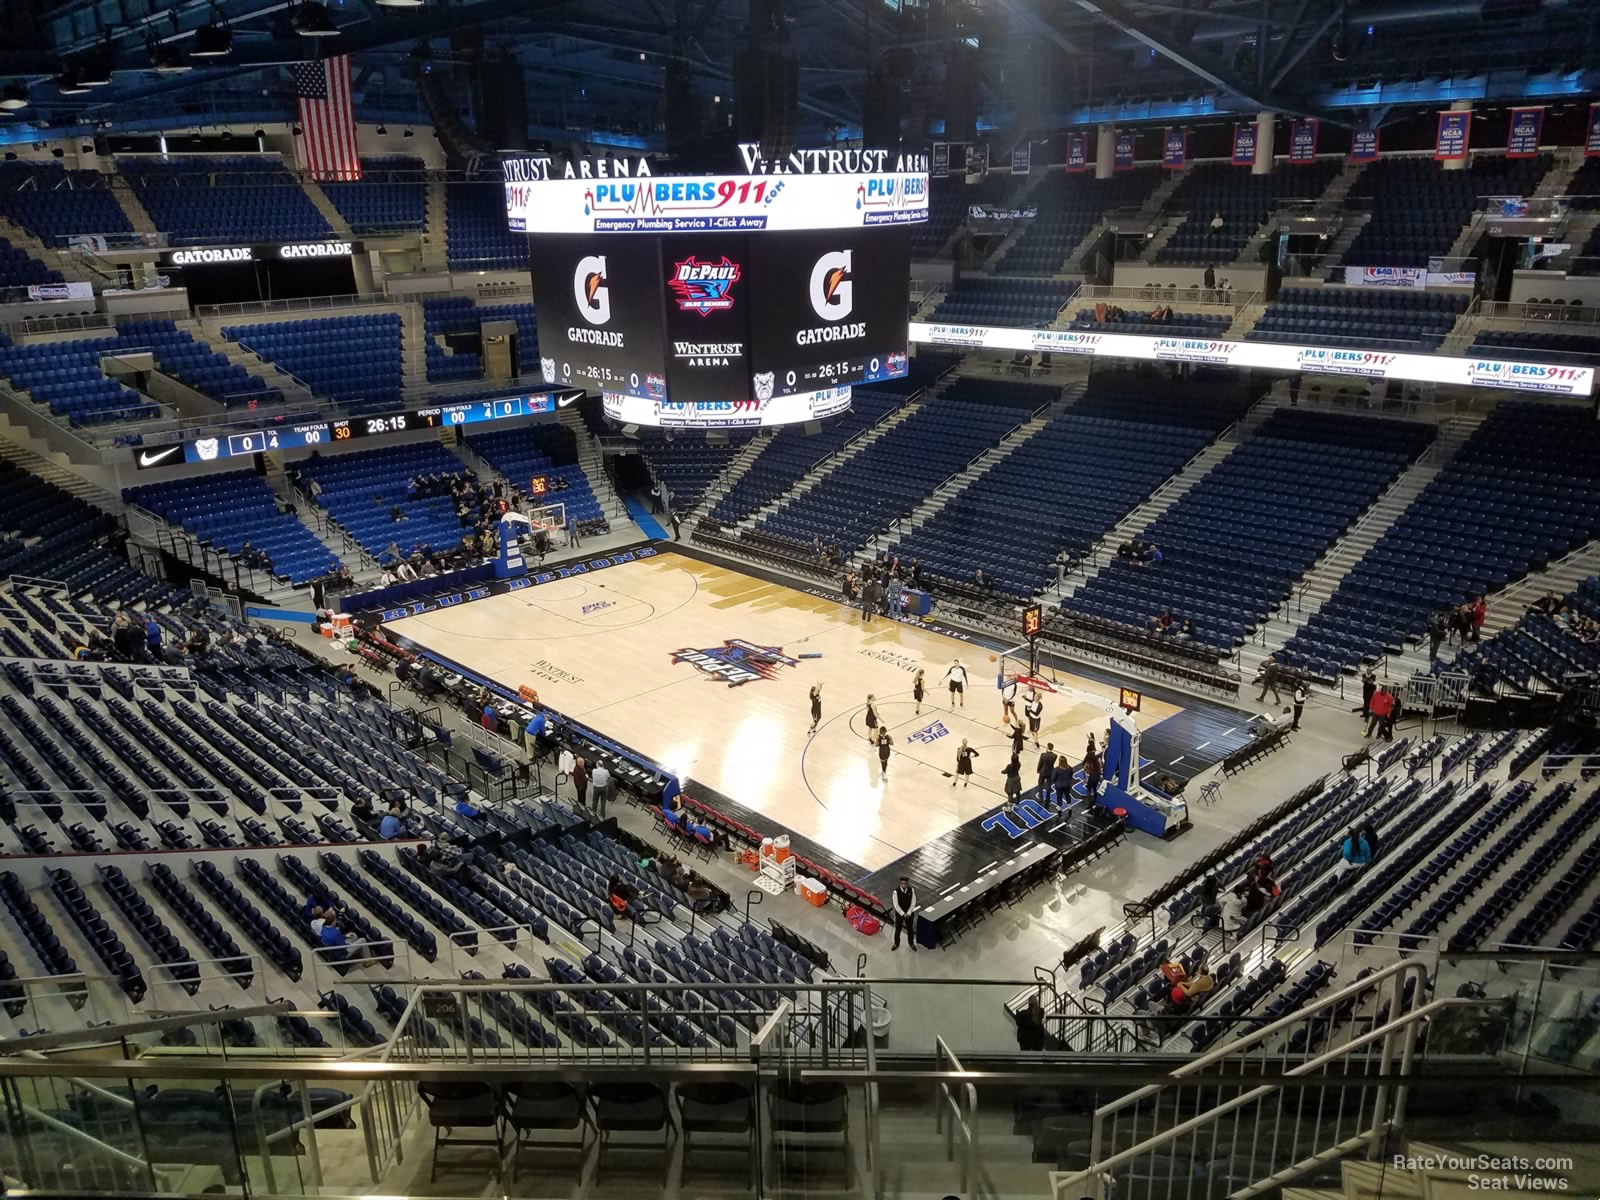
(1523, 139)
(1244, 144)
(1591, 144)
(1363, 145)
(1174, 147)
(1303, 142)
(1122, 160)
(977, 161)
(939, 167)
(1078, 152)
(1451, 144)
(1022, 159)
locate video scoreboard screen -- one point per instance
(598, 307)
(292, 435)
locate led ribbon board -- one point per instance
(1551, 379)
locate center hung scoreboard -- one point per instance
(710, 301)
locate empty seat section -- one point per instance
(1362, 318)
(1068, 207)
(234, 200)
(66, 377)
(1522, 492)
(361, 492)
(476, 235)
(236, 510)
(356, 361)
(1419, 209)
(1234, 544)
(390, 197)
(1242, 199)
(52, 202)
(1007, 302)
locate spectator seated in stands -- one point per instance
(1189, 989)
(393, 824)
(1354, 851)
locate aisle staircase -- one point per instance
(434, 241)
(731, 474)
(133, 208)
(934, 503)
(1317, 585)
(592, 461)
(821, 471)
(332, 215)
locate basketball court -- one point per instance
(707, 671)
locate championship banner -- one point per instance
(1591, 144)
(1078, 152)
(1303, 142)
(1174, 147)
(1022, 159)
(1123, 159)
(1523, 139)
(1244, 144)
(939, 168)
(977, 160)
(1505, 374)
(1363, 145)
(1454, 128)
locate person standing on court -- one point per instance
(1091, 770)
(1047, 767)
(885, 745)
(919, 687)
(1017, 737)
(964, 756)
(1300, 697)
(601, 779)
(1061, 782)
(903, 906)
(957, 675)
(580, 780)
(1013, 780)
(1033, 709)
(869, 587)
(816, 707)
(872, 718)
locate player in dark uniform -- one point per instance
(957, 675)
(1033, 709)
(964, 756)
(872, 718)
(885, 744)
(917, 688)
(816, 708)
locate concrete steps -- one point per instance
(1163, 235)
(53, 468)
(1560, 577)
(1333, 257)
(133, 208)
(735, 471)
(1144, 516)
(1322, 580)
(434, 239)
(593, 465)
(1556, 181)
(822, 470)
(69, 264)
(341, 227)
(933, 504)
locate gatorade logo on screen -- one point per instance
(832, 292)
(589, 286)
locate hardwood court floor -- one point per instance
(617, 651)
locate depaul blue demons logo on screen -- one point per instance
(736, 662)
(704, 287)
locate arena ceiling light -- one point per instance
(311, 19)
(68, 84)
(401, 3)
(14, 97)
(213, 39)
(166, 58)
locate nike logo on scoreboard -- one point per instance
(151, 458)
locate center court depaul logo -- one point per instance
(736, 662)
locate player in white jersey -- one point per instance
(956, 674)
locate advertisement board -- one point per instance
(830, 310)
(723, 414)
(806, 189)
(599, 312)
(1545, 378)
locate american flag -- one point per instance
(327, 115)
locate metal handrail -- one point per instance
(961, 1112)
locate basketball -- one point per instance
(994, 658)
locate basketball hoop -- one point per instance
(1036, 683)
